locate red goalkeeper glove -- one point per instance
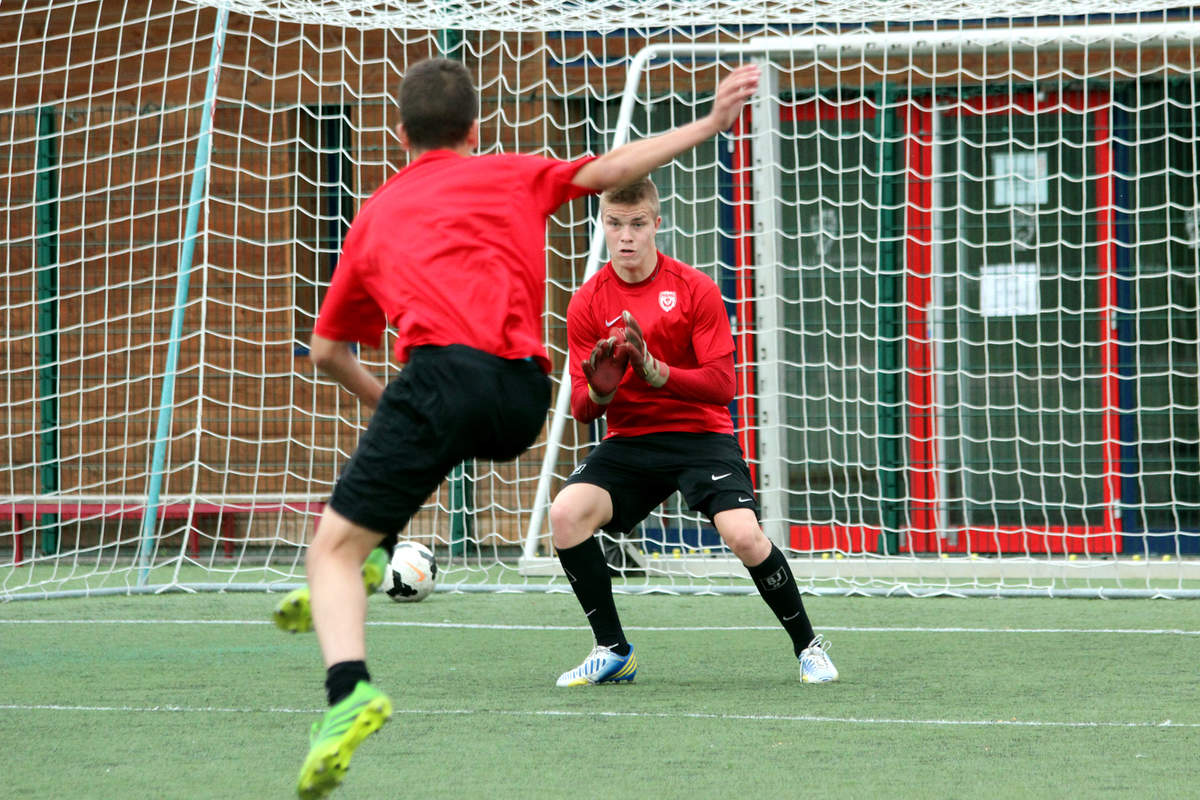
(605, 367)
(653, 371)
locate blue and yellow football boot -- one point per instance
(601, 666)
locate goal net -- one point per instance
(958, 245)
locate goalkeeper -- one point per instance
(651, 349)
(451, 252)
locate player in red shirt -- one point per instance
(651, 349)
(450, 252)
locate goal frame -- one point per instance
(890, 565)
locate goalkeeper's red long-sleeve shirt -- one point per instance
(685, 325)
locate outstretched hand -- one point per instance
(652, 371)
(605, 367)
(732, 94)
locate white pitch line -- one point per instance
(652, 628)
(625, 715)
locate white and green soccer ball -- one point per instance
(411, 575)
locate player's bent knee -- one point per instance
(749, 546)
(578, 511)
(744, 537)
(568, 526)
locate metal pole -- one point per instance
(47, 320)
(889, 347)
(166, 404)
(768, 360)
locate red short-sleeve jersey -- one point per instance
(685, 323)
(451, 250)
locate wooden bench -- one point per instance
(224, 508)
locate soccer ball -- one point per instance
(411, 575)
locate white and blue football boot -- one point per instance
(815, 666)
(601, 666)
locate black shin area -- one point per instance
(588, 573)
(777, 585)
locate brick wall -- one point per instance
(125, 85)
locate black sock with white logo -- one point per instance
(777, 585)
(588, 573)
(342, 677)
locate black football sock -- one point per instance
(342, 677)
(777, 585)
(588, 573)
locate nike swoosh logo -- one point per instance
(722, 475)
(612, 321)
(792, 617)
(743, 499)
(420, 575)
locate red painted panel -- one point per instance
(843, 538)
(922, 472)
(815, 108)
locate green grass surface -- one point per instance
(180, 696)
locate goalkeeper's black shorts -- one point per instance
(640, 472)
(447, 405)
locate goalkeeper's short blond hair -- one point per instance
(642, 190)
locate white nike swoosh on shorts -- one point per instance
(612, 321)
(744, 500)
(722, 475)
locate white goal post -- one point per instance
(885, 571)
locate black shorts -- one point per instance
(447, 405)
(640, 472)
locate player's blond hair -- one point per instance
(640, 191)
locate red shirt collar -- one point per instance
(658, 263)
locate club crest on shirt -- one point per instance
(666, 300)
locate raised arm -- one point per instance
(635, 159)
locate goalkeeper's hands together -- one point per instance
(651, 370)
(605, 367)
